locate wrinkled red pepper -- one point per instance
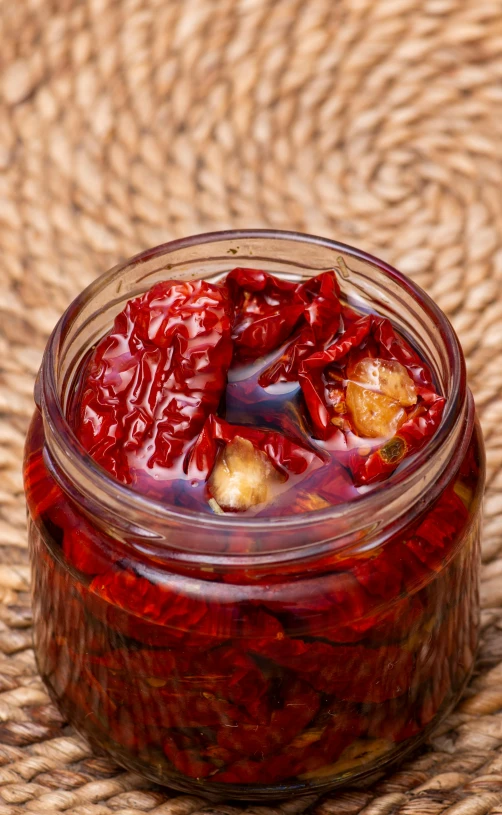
(219, 712)
(321, 311)
(327, 736)
(411, 437)
(282, 726)
(434, 537)
(288, 457)
(269, 309)
(266, 311)
(155, 378)
(41, 490)
(374, 337)
(349, 672)
(132, 604)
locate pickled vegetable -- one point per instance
(242, 476)
(253, 397)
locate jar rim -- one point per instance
(362, 506)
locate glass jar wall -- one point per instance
(255, 658)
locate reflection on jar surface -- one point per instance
(264, 657)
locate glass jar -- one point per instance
(255, 657)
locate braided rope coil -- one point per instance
(126, 122)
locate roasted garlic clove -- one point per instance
(373, 414)
(377, 409)
(242, 477)
(388, 377)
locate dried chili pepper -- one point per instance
(433, 540)
(368, 338)
(167, 606)
(266, 308)
(320, 322)
(281, 694)
(284, 723)
(41, 490)
(346, 671)
(263, 459)
(153, 380)
(89, 550)
(286, 455)
(177, 611)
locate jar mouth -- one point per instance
(93, 481)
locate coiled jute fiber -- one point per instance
(124, 123)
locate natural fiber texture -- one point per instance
(126, 122)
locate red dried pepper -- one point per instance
(193, 701)
(146, 392)
(133, 604)
(299, 705)
(371, 336)
(41, 490)
(87, 549)
(433, 540)
(389, 346)
(321, 311)
(328, 735)
(350, 672)
(266, 311)
(287, 456)
(124, 730)
(153, 380)
(186, 759)
(176, 611)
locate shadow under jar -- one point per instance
(255, 657)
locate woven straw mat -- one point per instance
(124, 123)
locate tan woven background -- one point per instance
(126, 122)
